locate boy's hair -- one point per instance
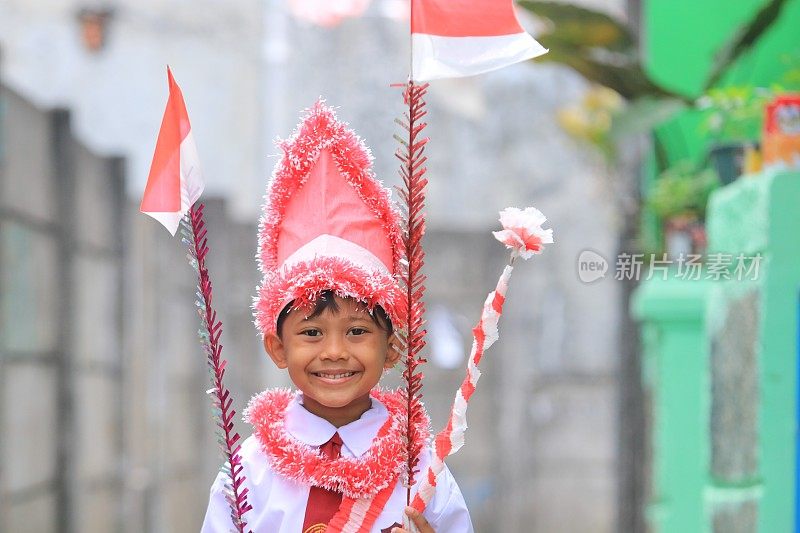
(327, 302)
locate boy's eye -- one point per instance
(311, 332)
(358, 331)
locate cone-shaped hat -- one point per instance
(327, 224)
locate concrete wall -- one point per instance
(721, 359)
(61, 258)
(754, 343)
(172, 457)
(105, 423)
(540, 453)
(29, 366)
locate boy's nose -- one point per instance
(334, 349)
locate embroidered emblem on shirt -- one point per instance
(316, 528)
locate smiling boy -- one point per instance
(330, 457)
(335, 355)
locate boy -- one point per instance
(331, 456)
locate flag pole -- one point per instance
(174, 185)
(194, 235)
(447, 23)
(411, 43)
(411, 154)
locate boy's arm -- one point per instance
(447, 512)
(218, 514)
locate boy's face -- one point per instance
(335, 358)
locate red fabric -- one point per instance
(328, 204)
(467, 388)
(344, 519)
(497, 302)
(163, 190)
(322, 503)
(464, 18)
(480, 338)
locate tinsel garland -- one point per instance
(412, 171)
(193, 232)
(354, 477)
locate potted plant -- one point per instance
(735, 118)
(679, 199)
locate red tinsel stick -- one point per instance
(412, 170)
(222, 399)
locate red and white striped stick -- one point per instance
(451, 438)
(522, 233)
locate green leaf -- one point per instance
(627, 79)
(597, 46)
(682, 190)
(744, 39)
(643, 115)
(582, 27)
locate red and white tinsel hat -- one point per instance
(327, 224)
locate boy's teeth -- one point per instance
(335, 376)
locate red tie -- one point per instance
(322, 503)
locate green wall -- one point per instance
(761, 215)
(723, 398)
(676, 384)
(720, 371)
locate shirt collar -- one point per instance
(357, 436)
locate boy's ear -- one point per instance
(392, 354)
(274, 347)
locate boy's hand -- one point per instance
(416, 517)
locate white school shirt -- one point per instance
(279, 504)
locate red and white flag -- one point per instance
(457, 38)
(175, 182)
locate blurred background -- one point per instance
(638, 385)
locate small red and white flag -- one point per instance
(175, 182)
(457, 38)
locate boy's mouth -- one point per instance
(338, 375)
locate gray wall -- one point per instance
(61, 328)
(172, 456)
(105, 423)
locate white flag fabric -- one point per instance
(175, 182)
(458, 38)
